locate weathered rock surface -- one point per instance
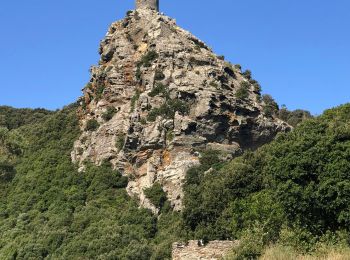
(160, 96)
(193, 250)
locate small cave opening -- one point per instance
(192, 127)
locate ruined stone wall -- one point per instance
(214, 250)
(152, 4)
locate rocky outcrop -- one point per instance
(194, 250)
(159, 97)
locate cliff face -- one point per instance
(158, 98)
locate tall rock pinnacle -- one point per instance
(148, 4)
(159, 98)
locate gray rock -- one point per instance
(174, 97)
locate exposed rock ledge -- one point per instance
(158, 97)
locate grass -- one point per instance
(278, 252)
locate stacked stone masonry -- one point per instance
(193, 250)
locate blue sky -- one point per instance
(298, 50)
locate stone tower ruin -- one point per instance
(148, 4)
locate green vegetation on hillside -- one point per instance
(50, 210)
(12, 118)
(294, 191)
(289, 197)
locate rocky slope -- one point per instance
(158, 98)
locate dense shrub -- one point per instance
(92, 125)
(298, 181)
(293, 117)
(293, 192)
(13, 118)
(156, 195)
(50, 210)
(7, 171)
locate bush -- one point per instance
(247, 74)
(52, 211)
(168, 109)
(92, 125)
(159, 89)
(295, 117)
(7, 171)
(13, 118)
(138, 74)
(120, 142)
(270, 107)
(257, 88)
(109, 114)
(251, 245)
(243, 91)
(148, 58)
(238, 66)
(134, 99)
(308, 169)
(156, 195)
(298, 181)
(99, 92)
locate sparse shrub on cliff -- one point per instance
(238, 66)
(159, 89)
(138, 74)
(199, 44)
(120, 142)
(270, 105)
(156, 195)
(134, 99)
(247, 74)
(109, 114)
(257, 88)
(221, 57)
(92, 125)
(148, 58)
(243, 91)
(99, 92)
(168, 109)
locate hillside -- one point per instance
(171, 147)
(292, 192)
(50, 210)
